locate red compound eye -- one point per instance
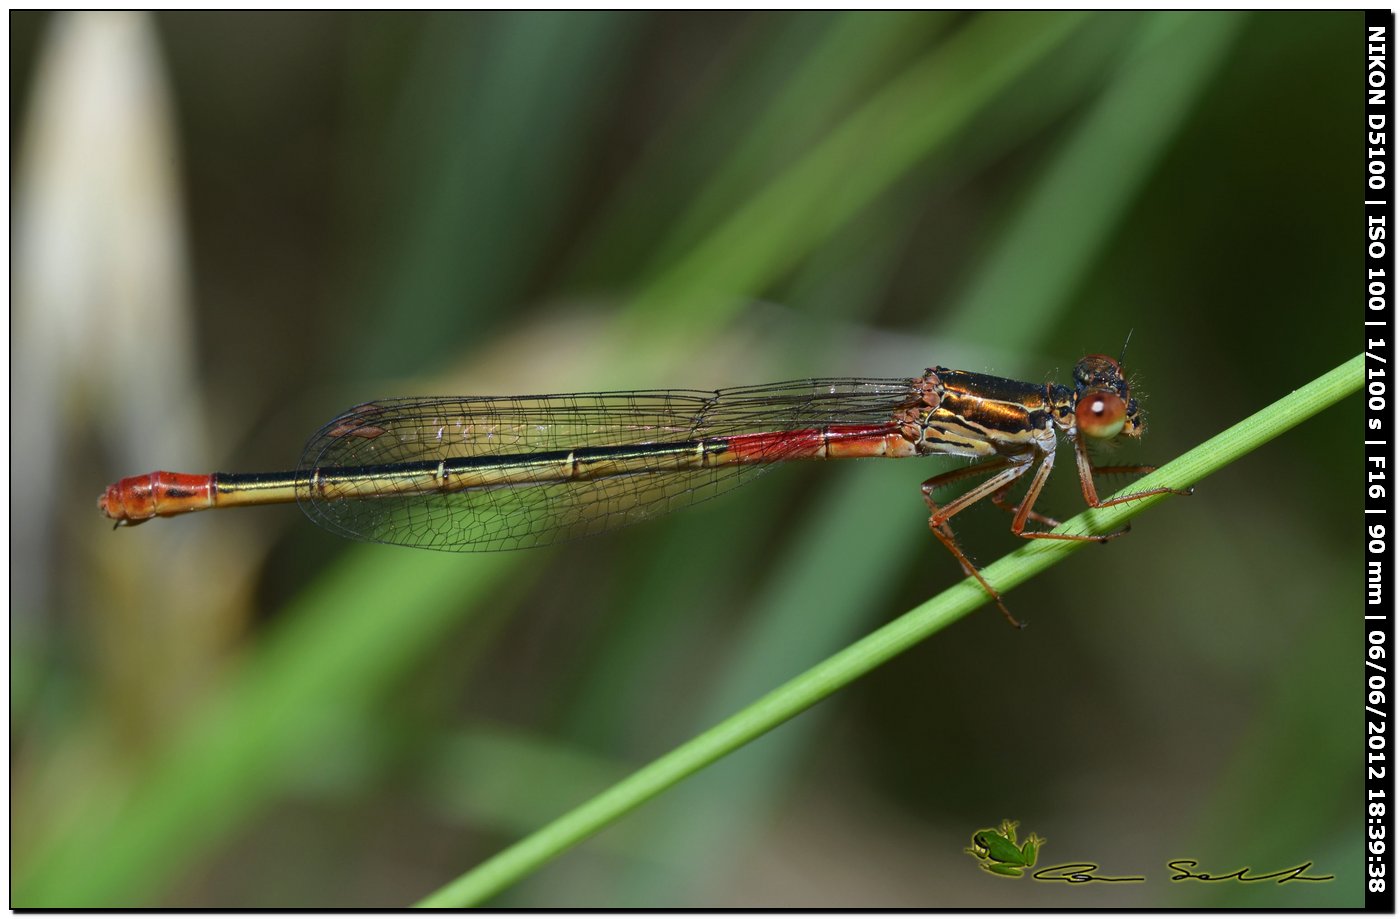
(1100, 414)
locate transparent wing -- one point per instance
(538, 507)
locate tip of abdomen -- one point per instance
(157, 494)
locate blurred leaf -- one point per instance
(491, 777)
(337, 648)
(495, 123)
(842, 174)
(1096, 176)
(761, 116)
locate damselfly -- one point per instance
(485, 474)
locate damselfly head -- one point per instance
(1103, 406)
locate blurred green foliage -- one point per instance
(390, 203)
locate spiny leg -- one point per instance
(1025, 510)
(1086, 479)
(1006, 473)
(947, 478)
(999, 499)
(1124, 470)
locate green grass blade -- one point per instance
(813, 92)
(794, 77)
(313, 669)
(846, 171)
(858, 659)
(1098, 174)
(513, 100)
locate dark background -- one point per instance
(229, 227)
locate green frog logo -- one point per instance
(998, 851)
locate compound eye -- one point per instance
(1100, 415)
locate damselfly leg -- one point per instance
(1007, 472)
